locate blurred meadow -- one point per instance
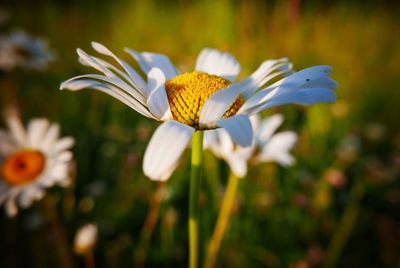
(338, 206)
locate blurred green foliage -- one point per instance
(340, 202)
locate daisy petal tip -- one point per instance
(98, 47)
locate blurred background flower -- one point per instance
(17, 49)
(31, 160)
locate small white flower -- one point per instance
(267, 146)
(31, 160)
(207, 98)
(17, 49)
(85, 239)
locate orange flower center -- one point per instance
(22, 167)
(188, 92)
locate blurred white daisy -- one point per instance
(31, 160)
(267, 146)
(17, 49)
(85, 239)
(206, 98)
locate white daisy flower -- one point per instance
(206, 98)
(85, 239)
(31, 160)
(18, 49)
(267, 146)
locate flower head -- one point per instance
(18, 49)
(267, 146)
(207, 98)
(85, 239)
(31, 160)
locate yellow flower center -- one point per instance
(188, 92)
(22, 167)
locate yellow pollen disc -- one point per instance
(188, 92)
(22, 167)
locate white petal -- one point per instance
(162, 62)
(238, 166)
(268, 70)
(50, 137)
(62, 144)
(59, 171)
(158, 101)
(219, 141)
(217, 104)
(148, 60)
(278, 147)
(226, 143)
(137, 82)
(239, 128)
(64, 157)
(36, 131)
(165, 148)
(214, 62)
(303, 97)
(86, 81)
(124, 89)
(17, 129)
(210, 138)
(135, 78)
(305, 87)
(137, 88)
(268, 127)
(29, 195)
(305, 76)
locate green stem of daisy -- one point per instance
(222, 221)
(195, 176)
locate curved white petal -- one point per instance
(217, 104)
(268, 127)
(158, 101)
(239, 128)
(87, 81)
(303, 97)
(278, 147)
(305, 76)
(305, 87)
(214, 62)
(148, 60)
(115, 82)
(165, 149)
(17, 129)
(267, 71)
(36, 131)
(132, 77)
(136, 83)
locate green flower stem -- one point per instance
(195, 176)
(222, 221)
